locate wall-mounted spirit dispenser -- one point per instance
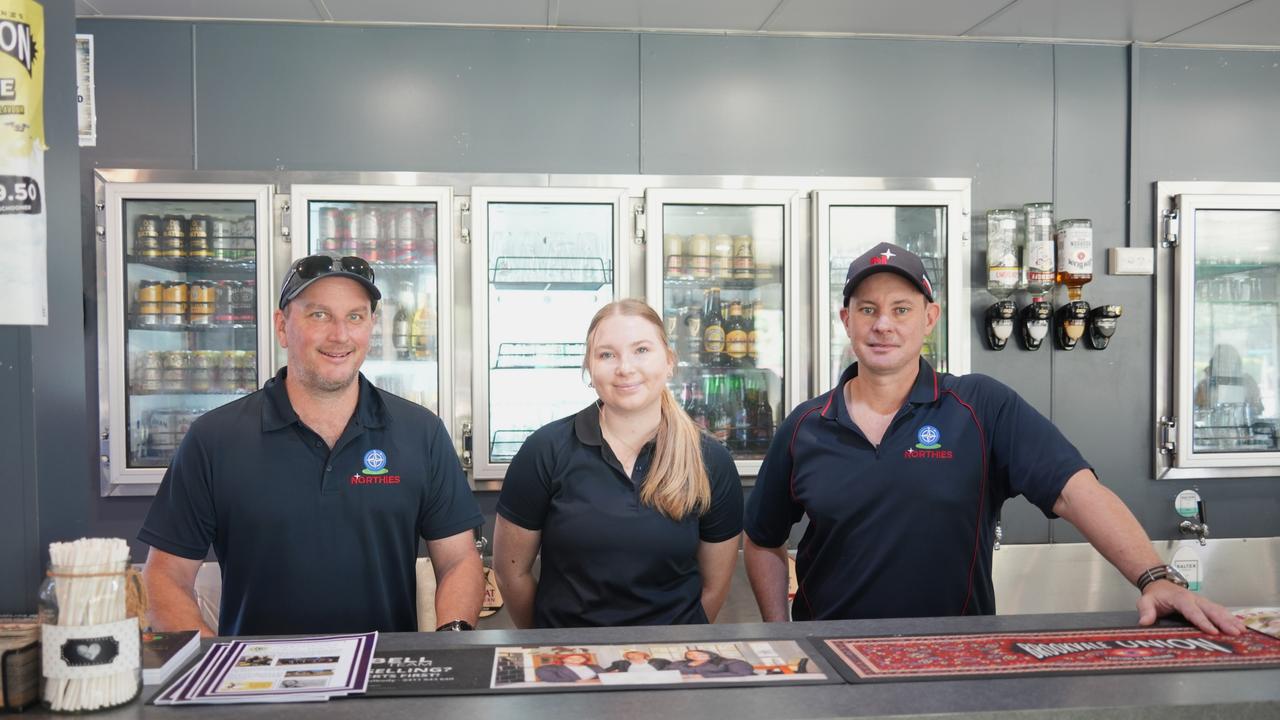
(1102, 325)
(1035, 324)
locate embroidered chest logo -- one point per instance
(928, 445)
(375, 470)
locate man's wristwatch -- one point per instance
(455, 626)
(1161, 572)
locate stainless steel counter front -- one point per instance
(1234, 694)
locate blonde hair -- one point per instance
(677, 484)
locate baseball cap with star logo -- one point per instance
(891, 258)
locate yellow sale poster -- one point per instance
(23, 276)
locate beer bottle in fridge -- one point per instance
(697, 407)
(749, 318)
(735, 336)
(741, 434)
(400, 326)
(762, 429)
(420, 329)
(713, 331)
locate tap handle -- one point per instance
(1204, 520)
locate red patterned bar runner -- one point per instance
(1053, 652)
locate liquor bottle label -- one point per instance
(1075, 251)
(1040, 260)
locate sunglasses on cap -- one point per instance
(309, 269)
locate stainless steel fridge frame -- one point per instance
(462, 401)
(297, 218)
(1174, 240)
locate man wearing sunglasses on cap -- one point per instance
(314, 490)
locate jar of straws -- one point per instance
(90, 637)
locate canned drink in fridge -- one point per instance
(327, 223)
(408, 223)
(198, 226)
(174, 226)
(348, 223)
(242, 302)
(150, 291)
(370, 223)
(369, 249)
(223, 309)
(147, 226)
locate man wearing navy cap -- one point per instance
(901, 471)
(314, 490)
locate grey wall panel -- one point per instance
(1204, 115)
(1101, 398)
(353, 98)
(18, 526)
(143, 93)
(63, 440)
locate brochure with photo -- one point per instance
(1265, 620)
(560, 667)
(165, 652)
(289, 670)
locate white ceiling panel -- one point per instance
(223, 9)
(666, 14)
(456, 12)
(1257, 23)
(1124, 20)
(894, 17)
(84, 9)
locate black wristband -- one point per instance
(1160, 572)
(455, 626)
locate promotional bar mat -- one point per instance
(571, 668)
(1058, 652)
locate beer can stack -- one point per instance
(702, 256)
(207, 237)
(179, 304)
(387, 233)
(199, 372)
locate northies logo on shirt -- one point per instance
(375, 471)
(928, 445)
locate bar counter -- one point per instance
(1204, 694)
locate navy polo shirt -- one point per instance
(905, 529)
(311, 540)
(608, 559)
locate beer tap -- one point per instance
(1199, 529)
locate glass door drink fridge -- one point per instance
(185, 272)
(1224, 243)
(719, 270)
(543, 261)
(932, 223)
(405, 234)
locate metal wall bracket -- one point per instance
(286, 208)
(464, 230)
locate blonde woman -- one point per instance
(635, 510)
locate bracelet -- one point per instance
(455, 626)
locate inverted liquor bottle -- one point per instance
(1039, 250)
(1075, 255)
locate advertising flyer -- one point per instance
(23, 275)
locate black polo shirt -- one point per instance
(311, 540)
(905, 529)
(608, 559)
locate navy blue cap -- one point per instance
(892, 258)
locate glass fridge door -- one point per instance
(1227, 366)
(930, 223)
(184, 296)
(718, 271)
(543, 262)
(403, 232)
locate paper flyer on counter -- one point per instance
(289, 670)
(24, 272)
